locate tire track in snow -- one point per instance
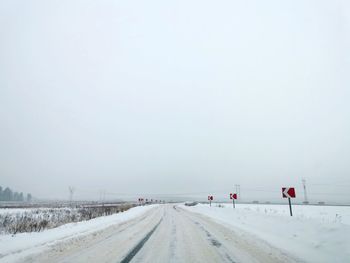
(238, 245)
(214, 242)
(173, 241)
(137, 248)
(222, 250)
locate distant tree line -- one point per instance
(8, 195)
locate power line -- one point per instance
(332, 185)
(184, 194)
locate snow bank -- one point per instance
(313, 234)
(27, 243)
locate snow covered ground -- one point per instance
(313, 234)
(166, 233)
(14, 247)
(177, 233)
(20, 220)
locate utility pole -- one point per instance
(104, 197)
(238, 190)
(71, 193)
(305, 195)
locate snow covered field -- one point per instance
(313, 234)
(326, 214)
(163, 233)
(19, 220)
(14, 247)
(249, 233)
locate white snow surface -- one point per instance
(23, 244)
(313, 234)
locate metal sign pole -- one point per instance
(290, 207)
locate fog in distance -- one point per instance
(175, 99)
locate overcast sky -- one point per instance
(175, 97)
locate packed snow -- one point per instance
(313, 234)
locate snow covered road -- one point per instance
(184, 236)
(166, 233)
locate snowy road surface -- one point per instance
(164, 233)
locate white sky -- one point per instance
(174, 96)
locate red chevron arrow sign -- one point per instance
(233, 196)
(288, 192)
(210, 198)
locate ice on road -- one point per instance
(166, 233)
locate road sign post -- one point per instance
(289, 192)
(210, 198)
(233, 197)
(290, 207)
